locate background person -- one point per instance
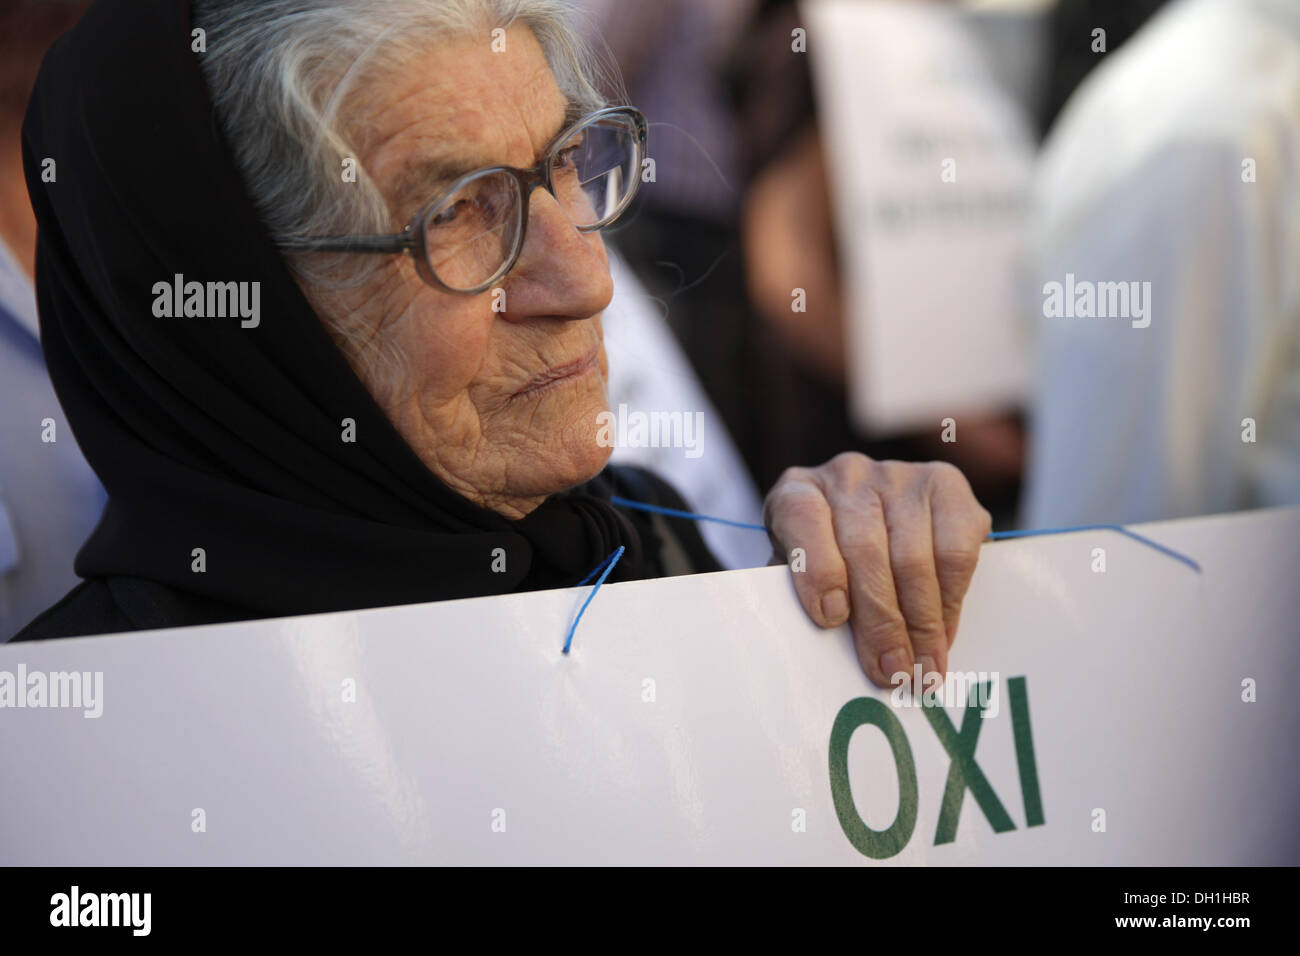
(1175, 164)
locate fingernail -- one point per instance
(897, 661)
(835, 606)
(927, 666)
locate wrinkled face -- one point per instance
(501, 405)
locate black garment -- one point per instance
(1070, 53)
(210, 435)
(110, 605)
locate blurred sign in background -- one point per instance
(930, 159)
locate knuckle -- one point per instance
(948, 470)
(849, 467)
(885, 632)
(958, 561)
(905, 481)
(952, 602)
(944, 474)
(871, 505)
(911, 565)
(793, 475)
(793, 490)
(822, 572)
(927, 627)
(794, 500)
(858, 524)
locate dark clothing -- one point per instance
(219, 436)
(1070, 41)
(110, 605)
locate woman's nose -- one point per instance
(561, 273)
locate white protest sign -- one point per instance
(1144, 714)
(929, 165)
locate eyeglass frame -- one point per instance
(412, 239)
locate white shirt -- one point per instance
(50, 500)
(1142, 180)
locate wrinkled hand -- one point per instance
(890, 547)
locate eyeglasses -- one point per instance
(471, 235)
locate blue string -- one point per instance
(997, 535)
(608, 565)
(674, 513)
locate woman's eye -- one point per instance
(567, 157)
(448, 215)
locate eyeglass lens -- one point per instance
(474, 232)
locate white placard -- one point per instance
(929, 164)
(693, 723)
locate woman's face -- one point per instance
(501, 405)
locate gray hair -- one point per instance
(280, 73)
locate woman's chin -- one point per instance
(584, 457)
(558, 472)
(572, 453)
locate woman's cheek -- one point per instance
(449, 352)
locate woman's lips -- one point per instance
(558, 375)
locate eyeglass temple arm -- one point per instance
(392, 243)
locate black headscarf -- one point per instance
(214, 436)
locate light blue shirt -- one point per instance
(50, 500)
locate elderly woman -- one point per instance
(321, 288)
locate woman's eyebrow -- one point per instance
(423, 176)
